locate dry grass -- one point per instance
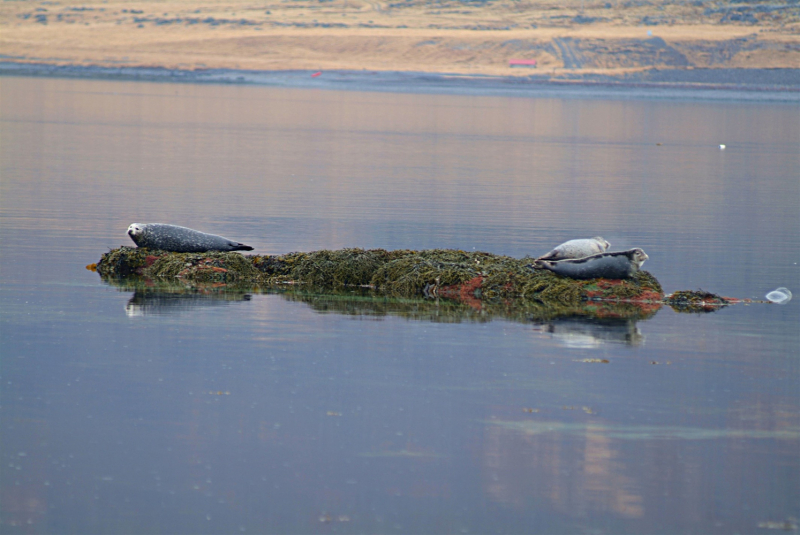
(470, 37)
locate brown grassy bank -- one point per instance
(470, 37)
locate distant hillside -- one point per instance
(469, 36)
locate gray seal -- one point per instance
(180, 239)
(577, 249)
(618, 265)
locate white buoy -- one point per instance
(781, 296)
(722, 147)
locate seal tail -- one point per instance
(241, 247)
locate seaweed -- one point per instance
(695, 302)
(345, 267)
(122, 262)
(462, 275)
(412, 272)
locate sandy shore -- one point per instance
(632, 42)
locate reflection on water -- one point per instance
(584, 326)
(216, 410)
(528, 459)
(146, 301)
(646, 433)
(587, 333)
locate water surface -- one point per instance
(149, 412)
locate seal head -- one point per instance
(180, 239)
(577, 249)
(617, 265)
(136, 230)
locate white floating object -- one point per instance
(780, 296)
(722, 147)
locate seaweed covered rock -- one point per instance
(696, 301)
(193, 267)
(402, 273)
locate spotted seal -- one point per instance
(618, 265)
(577, 249)
(180, 239)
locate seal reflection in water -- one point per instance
(577, 249)
(180, 239)
(619, 265)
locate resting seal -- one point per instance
(619, 265)
(180, 239)
(577, 249)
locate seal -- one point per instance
(577, 249)
(180, 239)
(617, 265)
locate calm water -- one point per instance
(151, 412)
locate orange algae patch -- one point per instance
(642, 289)
(464, 292)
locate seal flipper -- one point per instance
(235, 246)
(552, 255)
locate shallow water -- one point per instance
(148, 412)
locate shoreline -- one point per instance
(721, 84)
(571, 48)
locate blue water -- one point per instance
(266, 412)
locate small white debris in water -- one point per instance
(780, 296)
(722, 147)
